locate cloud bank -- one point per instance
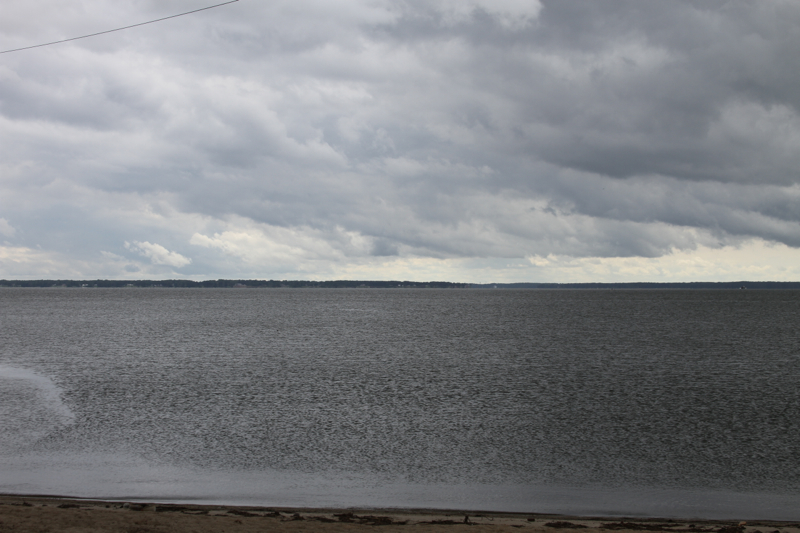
(510, 140)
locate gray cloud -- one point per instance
(314, 137)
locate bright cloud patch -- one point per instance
(6, 229)
(513, 14)
(158, 255)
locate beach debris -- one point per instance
(732, 529)
(562, 524)
(660, 526)
(237, 512)
(171, 508)
(68, 506)
(367, 520)
(346, 517)
(377, 520)
(273, 514)
(321, 519)
(441, 522)
(180, 509)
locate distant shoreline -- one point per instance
(367, 284)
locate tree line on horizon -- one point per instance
(353, 284)
(232, 284)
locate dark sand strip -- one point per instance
(26, 514)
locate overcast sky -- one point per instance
(454, 140)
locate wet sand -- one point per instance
(53, 515)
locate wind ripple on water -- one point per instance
(658, 388)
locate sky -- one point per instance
(454, 140)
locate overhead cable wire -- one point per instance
(117, 29)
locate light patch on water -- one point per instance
(127, 478)
(30, 409)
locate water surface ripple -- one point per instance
(682, 391)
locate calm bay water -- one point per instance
(674, 403)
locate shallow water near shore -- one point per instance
(668, 403)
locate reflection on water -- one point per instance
(514, 400)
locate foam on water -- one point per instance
(31, 408)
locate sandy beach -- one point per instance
(39, 514)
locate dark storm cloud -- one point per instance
(624, 89)
(343, 131)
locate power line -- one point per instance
(118, 29)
